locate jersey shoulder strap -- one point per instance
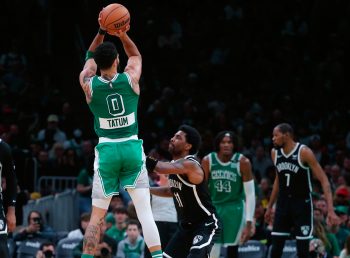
(236, 157)
(192, 158)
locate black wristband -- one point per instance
(151, 163)
(101, 31)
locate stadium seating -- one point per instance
(29, 248)
(65, 246)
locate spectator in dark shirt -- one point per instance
(36, 229)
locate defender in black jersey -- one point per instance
(292, 189)
(198, 223)
(8, 222)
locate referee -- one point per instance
(7, 172)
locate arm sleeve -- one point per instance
(7, 170)
(250, 199)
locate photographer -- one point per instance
(35, 229)
(47, 250)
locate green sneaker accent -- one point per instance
(87, 256)
(157, 254)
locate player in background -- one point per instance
(292, 189)
(231, 187)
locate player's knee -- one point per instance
(139, 196)
(101, 203)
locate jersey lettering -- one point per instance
(287, 166)
(175, 184)
(119, 122)
(223, 174)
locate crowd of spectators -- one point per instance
(217, 65)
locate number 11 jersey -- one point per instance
(192, 201)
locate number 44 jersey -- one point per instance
(225, 181)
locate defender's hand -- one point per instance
(151, 163)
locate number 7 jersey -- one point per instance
(225, 180)
(294, 178)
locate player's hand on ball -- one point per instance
(121, 33)
(100, 20)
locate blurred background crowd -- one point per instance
(230, 65)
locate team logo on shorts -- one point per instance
(197, 239)
(305, 229)
(1, 224)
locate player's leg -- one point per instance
(179, 245)
(104, 184)
(277, 244)
(141, 199)
(4, 252)
(203, 238)
(215, 250)
(100, 205)
(232, 251)
(134, 178)
(303, 248)
(232, 221)
(281, 227)
(93, 232)
(303, 217)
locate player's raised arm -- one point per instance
(134, 65)
(90, 67)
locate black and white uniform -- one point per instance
(198, 223)
(7, 171)
(294, 204)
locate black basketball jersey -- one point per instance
(294, 177)
(192, 202)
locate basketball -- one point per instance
(114, 17)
